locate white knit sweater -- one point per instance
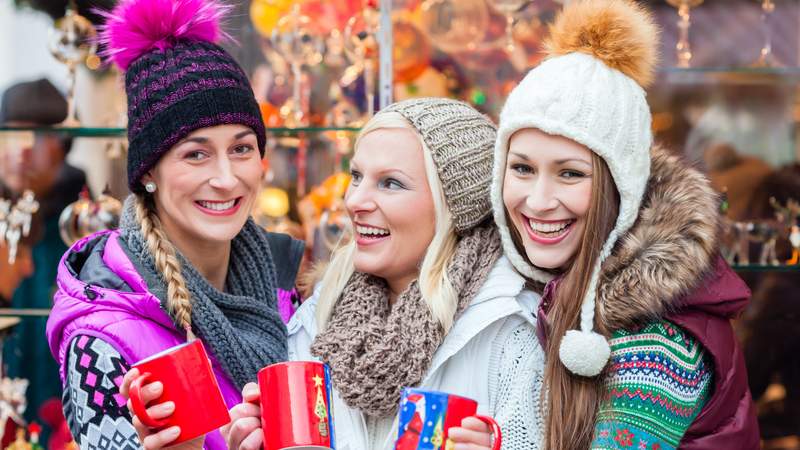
(491, 355)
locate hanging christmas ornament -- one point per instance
(69, 222)
(84, 216)
(72, 40)
(294, 40)
(411, 52)
(431, 83)
(361, 47)
(508, 8)
(328, 16)
(5, 210)
(265, 14)
(104, 214)
(683, 48)
(16, 219)
(273, 202)
(29, 206)
(455, 25)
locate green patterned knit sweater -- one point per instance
(660, 378)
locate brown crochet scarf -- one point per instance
(374, 351)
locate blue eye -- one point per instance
(391, 184)
(355, 177)
(522, 169)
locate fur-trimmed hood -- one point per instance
(668, 253)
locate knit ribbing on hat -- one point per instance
(174, 92)
(460, 140)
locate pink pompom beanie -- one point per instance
(176, 76)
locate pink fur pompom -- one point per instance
(135, 27)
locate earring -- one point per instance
(150, 187)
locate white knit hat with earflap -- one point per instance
(590, 89)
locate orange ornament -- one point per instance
(270, 114)
(412, 51)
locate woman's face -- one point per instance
(207, 184)
(547, 191)
(390, 204)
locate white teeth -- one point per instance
(371, 231)
(550, 227)
(217, 206)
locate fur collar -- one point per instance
(667, 252)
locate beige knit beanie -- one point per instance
(461, 141)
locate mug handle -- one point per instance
(139, 408)
(498, 435)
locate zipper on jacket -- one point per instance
(90, 293)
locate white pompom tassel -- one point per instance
(584, 353)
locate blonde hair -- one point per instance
(166, 260)
(434, 284)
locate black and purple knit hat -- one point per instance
(176, 77)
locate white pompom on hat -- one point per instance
(590, 89)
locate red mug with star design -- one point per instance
(296, 406)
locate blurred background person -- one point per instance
(37, 163)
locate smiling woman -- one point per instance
(547, 194)
(187, 260)
(625, 236)
(421, 296)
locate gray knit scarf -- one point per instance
(374, 350)
(242, 325)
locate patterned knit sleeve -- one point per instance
(517, 386)
(97, 414)
(660, 378)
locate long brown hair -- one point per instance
(571, 400)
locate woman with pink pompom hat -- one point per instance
(187, 259)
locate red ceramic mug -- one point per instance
(425, 417)
(296, 406)
(189, 382)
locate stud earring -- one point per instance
(150, 187)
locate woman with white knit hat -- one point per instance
(622, 236)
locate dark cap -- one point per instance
(33, 102)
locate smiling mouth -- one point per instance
(219, 206)
(549, 230)
(367, 233)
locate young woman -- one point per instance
(625, 236)
(421, 296)
(187, 259)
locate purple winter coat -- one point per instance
(126, 316)
(728, 419)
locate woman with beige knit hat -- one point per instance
(624, 238)
(421, 296)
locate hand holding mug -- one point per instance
(244, 431)
(175, 391)
(430, 419)
(473, 434)
(152, 439)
